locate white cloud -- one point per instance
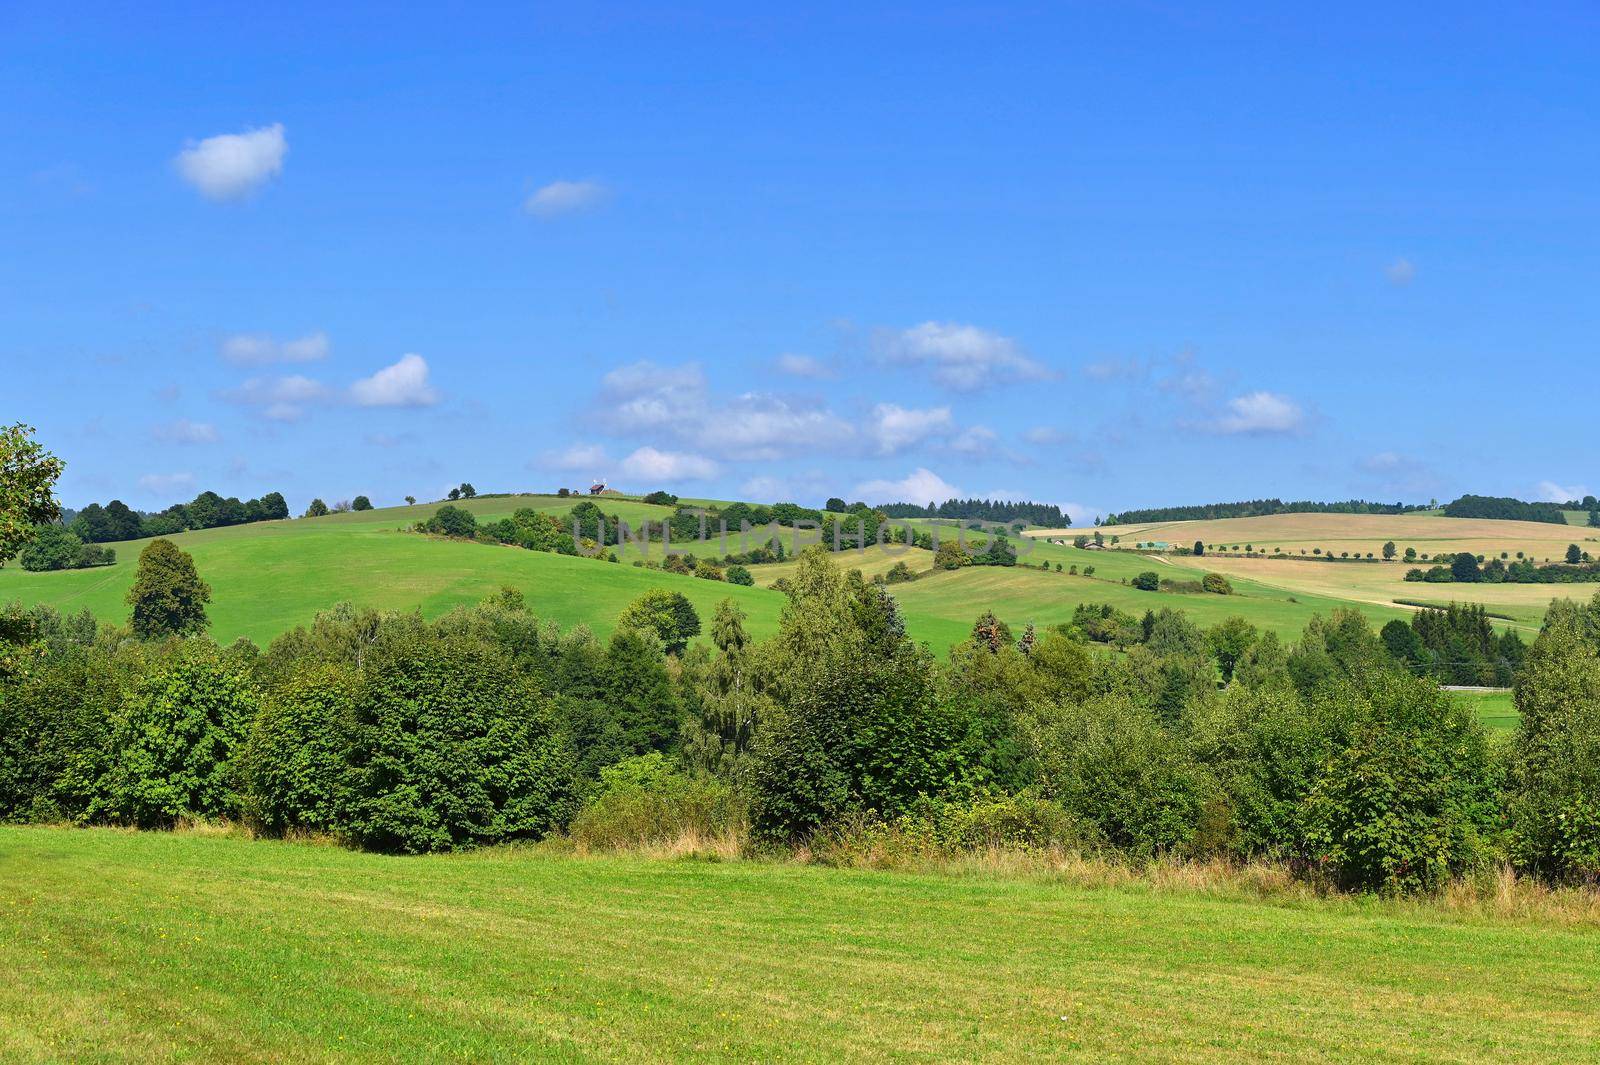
(282, 399)
(1551, 492)
(919, 486)
(649, 464)
(233, 165)
(894, 428)
(254, 349)
(184, 431)
(1401, 272)
(591, 458)
(565, 197)
(645, 396)
(405, 384)
(1260, 413)
(1081, 513)
(802, 366)
(761, 427)
(1046, 435)
(675, 400)
(159, 483)
(977, 442)
(963, 357)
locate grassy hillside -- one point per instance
(271, 576)
(163, 947)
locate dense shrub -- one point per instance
(173, 741)
(1148, 581)
(294, 758)
(1112, 766)
(450, 747)
(1405, 798)
(54, 547)
(1555, 764)
(451, 521)
(648, 800)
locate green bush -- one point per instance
(740, 575)
(174, 741)
(648, 800)
(294, 759)
(1112, 766)
(1216, 584)
(452, 748)
(55, 727)
(1555, 763)
(1406, 798)
(452, 521)
(1148, 581)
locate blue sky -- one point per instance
(1098, 255)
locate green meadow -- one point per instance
(182, 947)
(269, 577)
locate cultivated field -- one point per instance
(1386, 584)
(1428, 533)
(162, 947)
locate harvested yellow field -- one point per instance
(1360, 533)
(1385, 584)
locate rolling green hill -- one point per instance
(271, 576)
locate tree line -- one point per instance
(1505, 508)
(116, 521)
(1256, 508)
(1048, 515)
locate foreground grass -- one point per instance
(158, 946)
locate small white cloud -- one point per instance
(1081, 513)
(233, 165)
(766, 488)
(1401, 272)
(405, 384)
(565, 197)
(976, 442)
(282, 399)
(919, 486)
(894, 428)
(963, 357)
(758, 427)
(650, 465)
(591, 458)
(1046, 435)
(1260, 413)
(184, 431)
(802, 366)
(1551, 492)
(255, 349)
(645, 396)
(160, 483)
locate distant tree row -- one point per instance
(1505, 508)
(998, 510)
(1256, 508)
(1466, 568)
(96, 524)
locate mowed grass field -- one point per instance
(163, 947)
(1428, 533)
